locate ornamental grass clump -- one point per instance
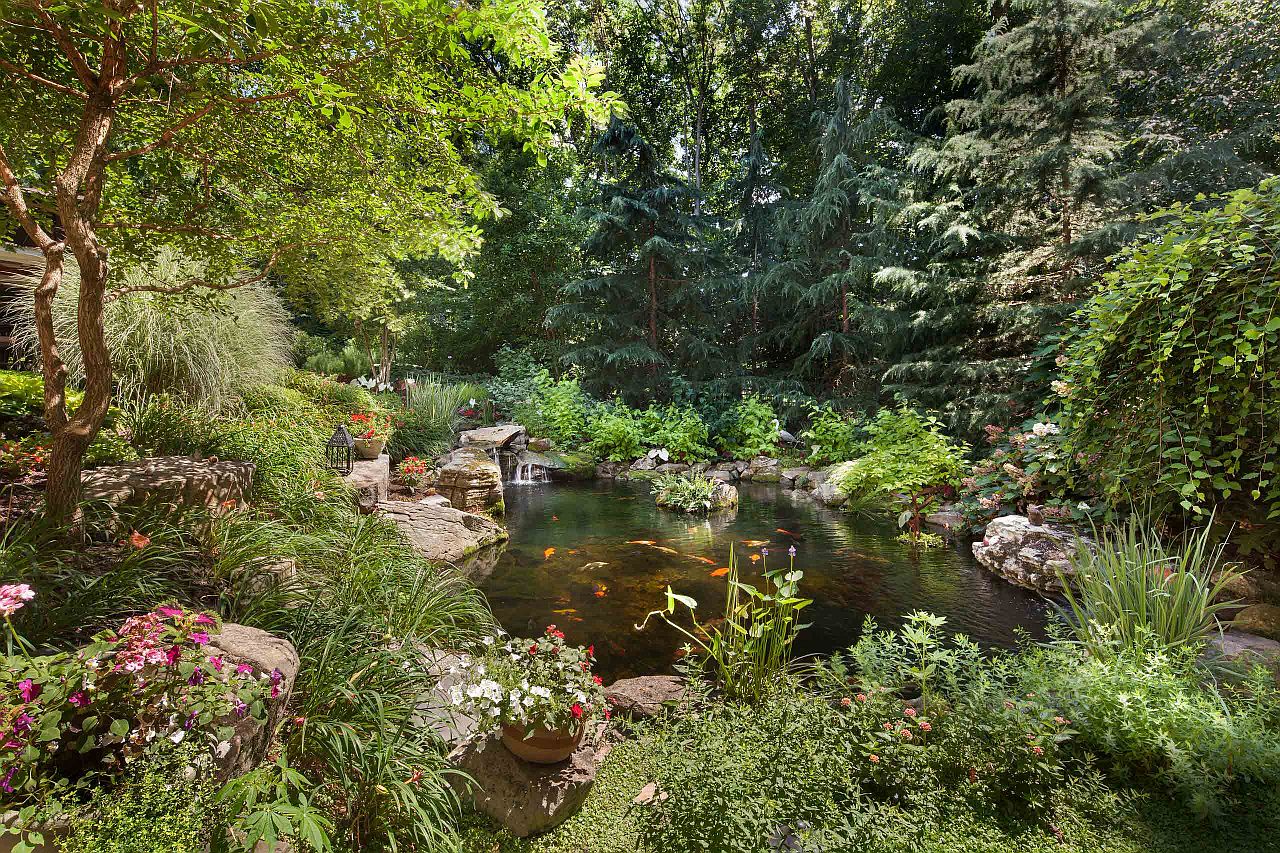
(532, 683)
(1132, 589)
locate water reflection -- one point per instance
(602, 576)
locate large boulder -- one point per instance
(267, 653)
(946, 517)
(672, 468)
(725, 471)
(794, 478)
(1247, 650)
(1027, 554)
(526, 798)
(178, 481)
(504, 437)
(1260, 619)
(825, 483)
(442, 533)
(724, 496)
(568, 465)
(645, 463)
(470, 480)
(646, 696)
(610, 470)
(763, 469)
(370, 481)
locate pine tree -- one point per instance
(642, 314)
(1037, 143)
(836, 241)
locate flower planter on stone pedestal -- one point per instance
(369, 448)
(541, 746)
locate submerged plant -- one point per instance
(751, 648)
(1132, 588)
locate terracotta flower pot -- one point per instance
(541, 746)
(369, 448)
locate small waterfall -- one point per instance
(530, 472)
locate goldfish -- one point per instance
(546, 555)
(601, 590)
(665, 549)
(573, 550)
(719, 573)
(783, 530)
(555, 518)
(641, 542)
(707, 560)
(564, 611)
(755, 558)
(755, 543)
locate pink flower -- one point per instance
(28, 690)
(204, 619)
(13, 596)
(925, 727)
(845, 702)
(910, 712)
(244, 669)
(873, 758)
(79, 699)
(905, 734)
(172, 656)
(888, 727)
(1037, 750)
(216, 660)
(171, 612)
(1062, 721)
(861, 697)
(200, 638)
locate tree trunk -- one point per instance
(653, 312)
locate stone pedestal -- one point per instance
(370, 479)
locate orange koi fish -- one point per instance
(564, 611)
(707, 560)
(755, 543)
(573, 550)
(641, 542)
(601, 590)
(719, 573)
(666, 550)
(755, 558)
(787, 532)
(546, 555)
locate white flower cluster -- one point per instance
(1043, 429)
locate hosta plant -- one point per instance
(541, 682)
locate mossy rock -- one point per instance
(571, 465)
(1262, 620)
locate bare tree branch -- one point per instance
(43, 81)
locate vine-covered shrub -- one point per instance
(1027, 465)
(750, 430)
(1172, 381)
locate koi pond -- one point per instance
(594, 558)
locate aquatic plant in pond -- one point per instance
(747, 652)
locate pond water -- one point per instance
(577, 559)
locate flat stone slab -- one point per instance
(646, 696)
(371, 481)
(494, 436)
(527, 798)
(1248, 650)
(442, 533)
(178, 480)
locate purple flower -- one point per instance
(791, 551)
(79, 699)
(764, 551)
(28, 690)
(197, 677)
(22, 724)
(8, 777)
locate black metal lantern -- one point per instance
(338, 450)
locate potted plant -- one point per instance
(540, 693)
(370, 431)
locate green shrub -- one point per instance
(1171, 385)
(165, 802)
(906, 454)
(678, 430)
(517, 384)
(22, 394)
(751, 430)
(1149, 714)
(1131, 588)
(686, 492)
(832, 436)
(613, 432)
(324, 393)
(204, 349)
(558, 412)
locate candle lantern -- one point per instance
(339, 450)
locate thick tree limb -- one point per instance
(43, 81)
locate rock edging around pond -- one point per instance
(442, 533)
(1027, 554)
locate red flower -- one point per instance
(597, 679)
(139, 541)
(576, 710)
(533, 650)
(591, 651)
(910, 712)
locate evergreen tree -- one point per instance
(830, 314)
(647, 309)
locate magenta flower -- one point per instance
(8, 777)
(171, 612)
(28, 690)
(244, 669)
(276, 678)
(216, 660)
(79, 699)
(197, 677)
(22, 724)
(202, 619)
(200, 638)
(13, 596)
(172, 656)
